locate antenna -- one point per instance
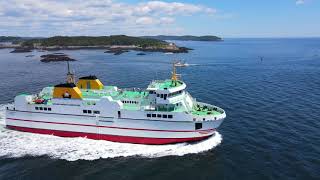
(174, 74)
(70, 76)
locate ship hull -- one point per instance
(113, 138)
(112, 129)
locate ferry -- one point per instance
(163, 113)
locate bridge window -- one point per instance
(96, 112)
(154, 115)
(164, 116)
(170, 116)
(49, 109)
(148, 115)
(37, 108)
(159, 115)
(41, 108)
(85, 111)
(89, 111)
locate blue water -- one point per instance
(272, 105)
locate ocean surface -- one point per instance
(272, 129)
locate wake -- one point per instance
(18, 144)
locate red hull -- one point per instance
(114, 138)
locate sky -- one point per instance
(225, 18)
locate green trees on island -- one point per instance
(95, 41)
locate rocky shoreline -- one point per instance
(55, 57)
(21, 50)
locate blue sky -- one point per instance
(226, 18)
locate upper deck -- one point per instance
(165, 84)
(137, 99)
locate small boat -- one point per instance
(181, 64)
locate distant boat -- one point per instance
(168, 53)
(181, 64)
(261, 58)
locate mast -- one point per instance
(174, 76)
(70, 76)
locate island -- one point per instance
(185, 38)
(116, 44)
(12, 39)
(21, 50)
(55, 57)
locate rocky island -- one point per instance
(117, 44)
(55, 57)
(21, 50)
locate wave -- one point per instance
(18, 144)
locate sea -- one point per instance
(269, 88)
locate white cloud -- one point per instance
(94, 17)
(300, 2)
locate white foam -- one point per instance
(19, 144)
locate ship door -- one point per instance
(88, 85)
(119, 114)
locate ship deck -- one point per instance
(134, 99)
(166, 84)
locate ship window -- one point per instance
(198, 126)
(170, 116)
(37, 108)
(164, 116)
(41, 108)
(154, 115)
(49, 109)
(46, 109)
(148, 115)
(89, 111)
(161, 96)
(158, 95)
(85, 111)
(96, 112)
(159, 115)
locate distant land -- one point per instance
(185, 38)
(115, 44)
(118, 42)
